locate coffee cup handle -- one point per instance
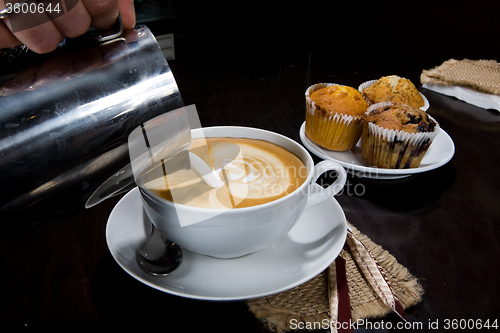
(318, 193)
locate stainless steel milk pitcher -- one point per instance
(65, 120)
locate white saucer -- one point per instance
(439, 153)
(308, 249)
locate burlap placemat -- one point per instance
(478, 75)
(310, 303)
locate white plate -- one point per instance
(439, 153)
(308, 249)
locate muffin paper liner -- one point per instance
(366, 84)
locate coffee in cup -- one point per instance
(262, 172)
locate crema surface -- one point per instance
(261, 172)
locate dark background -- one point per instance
(249, 63)
(393, 31)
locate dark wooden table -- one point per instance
(443, 225)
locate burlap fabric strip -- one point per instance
(315, 303)
(479, 75)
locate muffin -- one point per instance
(396, 136)
(334, 116)
(392, 89)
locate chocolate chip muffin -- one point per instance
(392, 89)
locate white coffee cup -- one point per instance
(236, 232)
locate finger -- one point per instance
(127, 13)
(40, 38)
(104, 13)
(7, 39)
(74, 22)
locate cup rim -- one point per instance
(302, 187)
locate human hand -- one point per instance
(44, 38)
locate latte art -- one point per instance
(262, 172)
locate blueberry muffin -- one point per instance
(396, 136)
